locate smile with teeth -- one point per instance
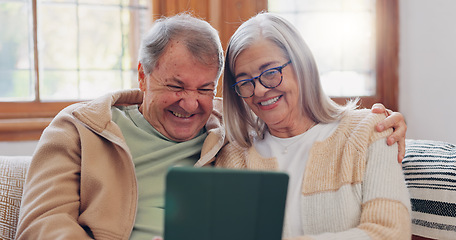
(270, 101)
(179, 115)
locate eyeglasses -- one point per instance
(270, 78)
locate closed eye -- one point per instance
(246, 82)
(175, 88)
(206, 91)
(243, 82)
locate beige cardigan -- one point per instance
(81, 183)
(353, 187)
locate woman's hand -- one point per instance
(396, 121)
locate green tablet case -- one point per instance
(224, 204)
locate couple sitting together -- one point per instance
(99, 168)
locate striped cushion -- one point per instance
(12, 176)
(430, 173)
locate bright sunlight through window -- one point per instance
(60, 50)
(341, 35)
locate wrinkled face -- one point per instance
(178, 93)
(277, 107)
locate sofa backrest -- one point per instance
(13, 170)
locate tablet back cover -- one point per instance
(224, 204)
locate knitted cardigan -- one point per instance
(352, 188)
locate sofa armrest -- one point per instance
(13, 170)
(430, 175)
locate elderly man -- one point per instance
(99, 168)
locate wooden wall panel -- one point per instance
(199, 8)
(224, 15)
(388, 53)
(237, 11)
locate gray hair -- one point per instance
(201, 39)
(239, 119)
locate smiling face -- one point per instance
(178, 93)
(277, 107)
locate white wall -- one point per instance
(427, 71)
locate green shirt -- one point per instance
(152, 155)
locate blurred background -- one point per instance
(57, 52)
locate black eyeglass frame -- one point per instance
(252, 80)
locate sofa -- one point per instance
(430, 173)
(13, 170)
(429, 168)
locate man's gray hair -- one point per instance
(201, 39)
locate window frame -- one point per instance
(387, 57)
(26, 120)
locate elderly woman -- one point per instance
(345, 182)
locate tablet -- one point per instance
(224, 204)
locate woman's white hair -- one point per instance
(240, 121)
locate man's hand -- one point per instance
(396, 121)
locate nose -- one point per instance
(259, 90)
(189, 101)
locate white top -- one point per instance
(292, 154)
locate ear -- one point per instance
(141, 77)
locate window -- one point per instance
(351, 41)
(26, 109)
(342, 37)
(38, 59)
(82, 48)
(55, 52)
